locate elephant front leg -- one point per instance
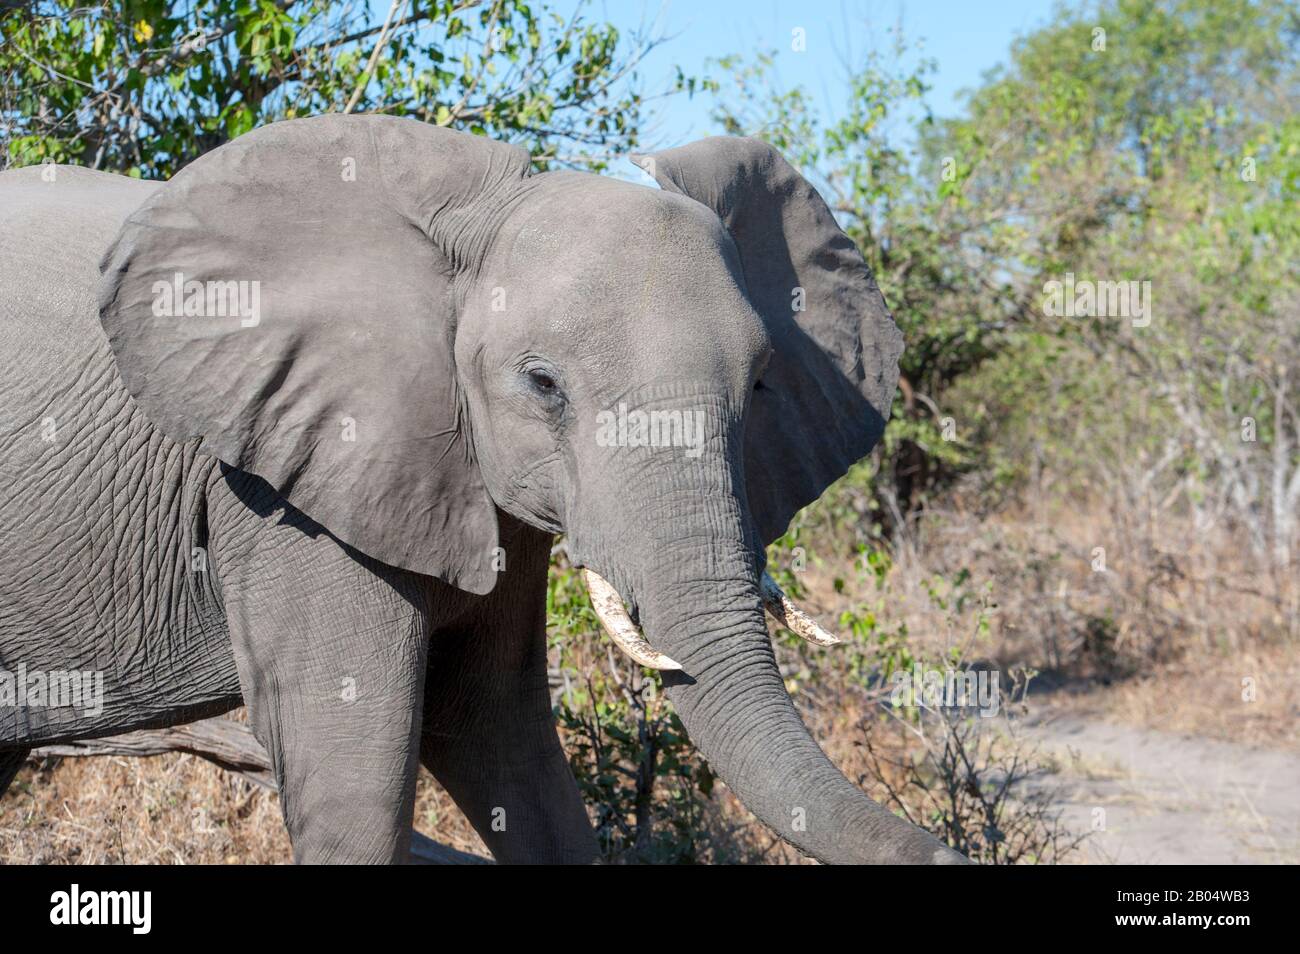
(490, 736)
(331, 651)
(510, 777)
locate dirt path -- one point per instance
(1169, 798)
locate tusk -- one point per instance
(619, 626)
(785, 612)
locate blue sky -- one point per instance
(966, 37)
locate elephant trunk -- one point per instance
(692, 573)
(733, 702)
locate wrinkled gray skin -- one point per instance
(438, 330)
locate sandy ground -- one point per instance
(1154, 797)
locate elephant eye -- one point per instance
(542, 381)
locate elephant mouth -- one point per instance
(623, 632)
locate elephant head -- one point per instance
(402, 330)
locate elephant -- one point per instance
(298, 428)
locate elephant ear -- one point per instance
(288, 298)
(822, 403)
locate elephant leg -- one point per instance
(331, 652)
(489, 735)
(11, 760)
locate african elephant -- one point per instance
(297, 428)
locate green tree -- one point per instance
(903, 215)
(1125, 141)
(1156, 143)
(145, 86)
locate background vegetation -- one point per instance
(1108, 506)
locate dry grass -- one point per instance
(169, 809)
(1162, 638)
(1203, 695)
(1182, 630)
(437, 816)
(179, 809)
